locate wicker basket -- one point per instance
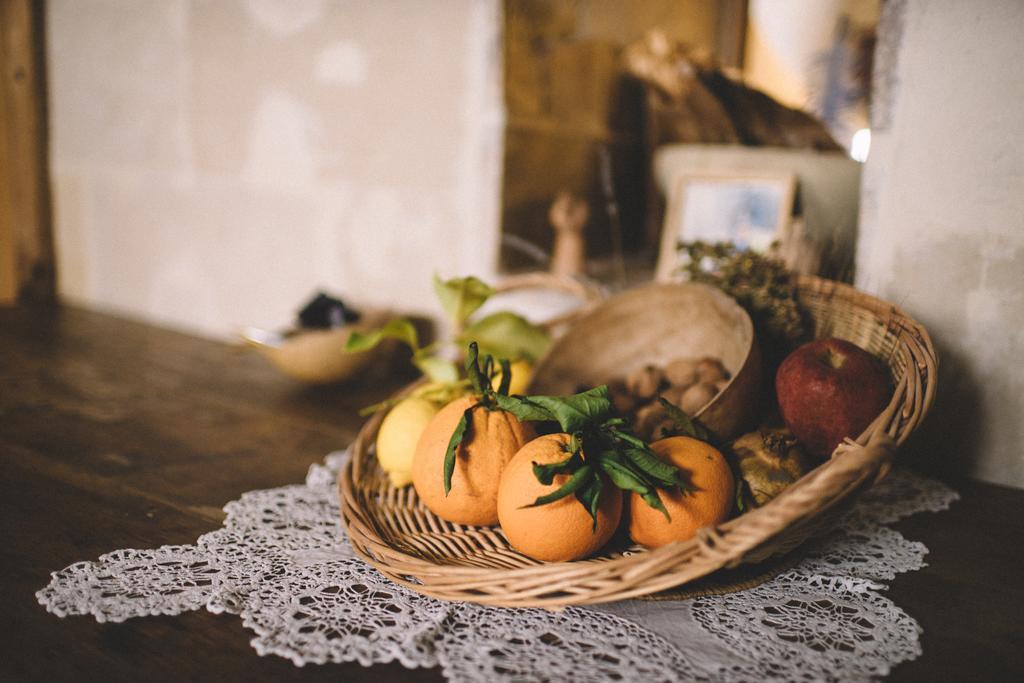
(390, 529)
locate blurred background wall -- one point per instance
(942, 216)
(216, 161)
(814, 55)
(575, 121)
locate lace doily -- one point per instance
(282, 563)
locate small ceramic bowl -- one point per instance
(318, 356)
(653, 324)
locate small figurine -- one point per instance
(568, 216)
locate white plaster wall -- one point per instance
(787, 45)
(786, 37)
(783, 37)
(216, 161)
(942, 217)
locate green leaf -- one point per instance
(506, 377)
(377, 407)
(460, 297)
(630, 439)
(686, 425)
(488, 371)
(741, 503)
(545, 474)
(650, 465)
(441, 393)
(651, 498)
(579, 478)
(461, 432)
(523, 408)
(399, 328)
(590, 497)
(507, 335)
(625, 478)
(437, 369)
(621, 474)
(665, 473)
(480, 381)
(575, 413)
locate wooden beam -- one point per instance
(731, 33)
(26, 238)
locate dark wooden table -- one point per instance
(116, 434)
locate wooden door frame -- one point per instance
(26, 232)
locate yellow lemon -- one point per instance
(399, 433)
(522, 372)
(441, 393)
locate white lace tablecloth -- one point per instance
(283, 564)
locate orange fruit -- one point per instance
(559, 531)
(709, 504)
(494, 437)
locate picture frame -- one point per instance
(750, 208)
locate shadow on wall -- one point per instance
(947, 443)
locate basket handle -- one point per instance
(876, 455)
(852, 464)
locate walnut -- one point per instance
(621, 398)
(696, 397)
(649, 417)
(674, 395)
(682, 372)
(710, 370)
(645, 382)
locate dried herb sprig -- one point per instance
(760, 284)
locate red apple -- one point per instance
(829, 389)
